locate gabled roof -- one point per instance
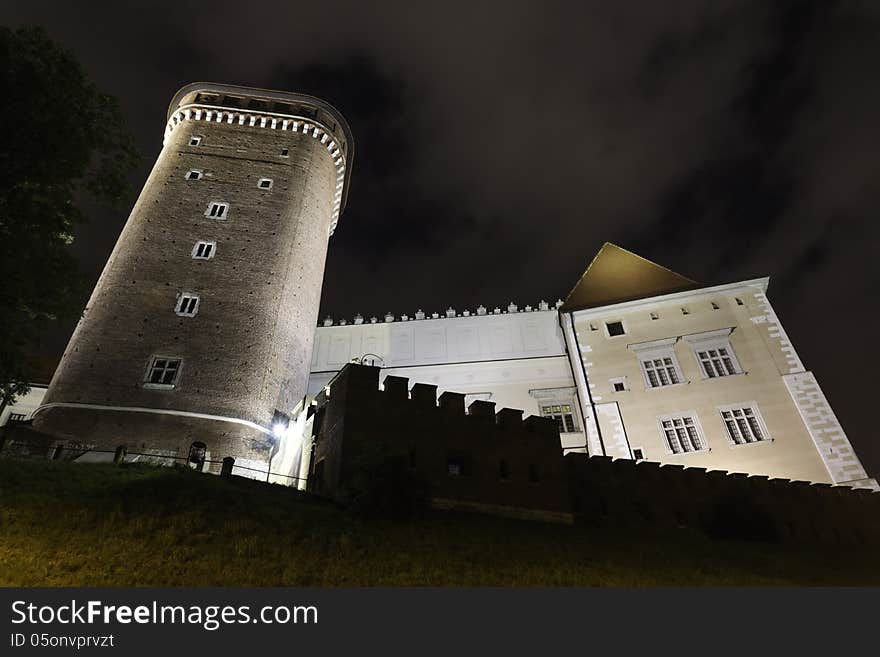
(616, 275)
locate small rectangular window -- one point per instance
(217, 210)
(285, 152)
(193, 174)
(195, 141)
(265, 183)
(715, 306)
(163, 371)
(619, 386)
(614, 328)
(685, 311)
(639, 454)
(187, 304)
(17, 417)
(655, 316)
(739, 301)
(204, 250)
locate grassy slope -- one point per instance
(78, 525)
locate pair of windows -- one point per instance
(742, 425)
(712, 351)
(198, 174)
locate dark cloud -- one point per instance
(498, 145)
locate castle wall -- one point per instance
(514, 358)
(476, 460)
(765, 357)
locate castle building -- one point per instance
(200, 333)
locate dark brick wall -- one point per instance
(502, 460)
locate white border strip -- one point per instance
(157, 411)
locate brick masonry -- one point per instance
(247, 352)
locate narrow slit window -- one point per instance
(204, 250)
(187, 304)
(217, 210)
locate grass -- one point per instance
(67, 524)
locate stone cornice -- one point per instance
(271, 121)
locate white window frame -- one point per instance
(619, 379)
(560, 397)
(222, 213)
(283, 154)
(149, 373)
(682, 417)
(183, 299)
(742, 407)
(204, 243)
(199, 174)
(658, 350)
(195, 140)
(262, 180)
(714, 341)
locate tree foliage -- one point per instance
(64, 143)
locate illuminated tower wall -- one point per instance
(201, 325)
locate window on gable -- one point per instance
(163, 371)
(714, 353)
(193, 174)
(204, 250)
(217, 210)
(563, 415)
(682, 434)
(614, 328)
(187, 304)
(195, 140)
(743, 424)
(265, 183)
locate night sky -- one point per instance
(499, 145)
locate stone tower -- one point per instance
(200, 328)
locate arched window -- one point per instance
(197, 453)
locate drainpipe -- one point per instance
(580, 360)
